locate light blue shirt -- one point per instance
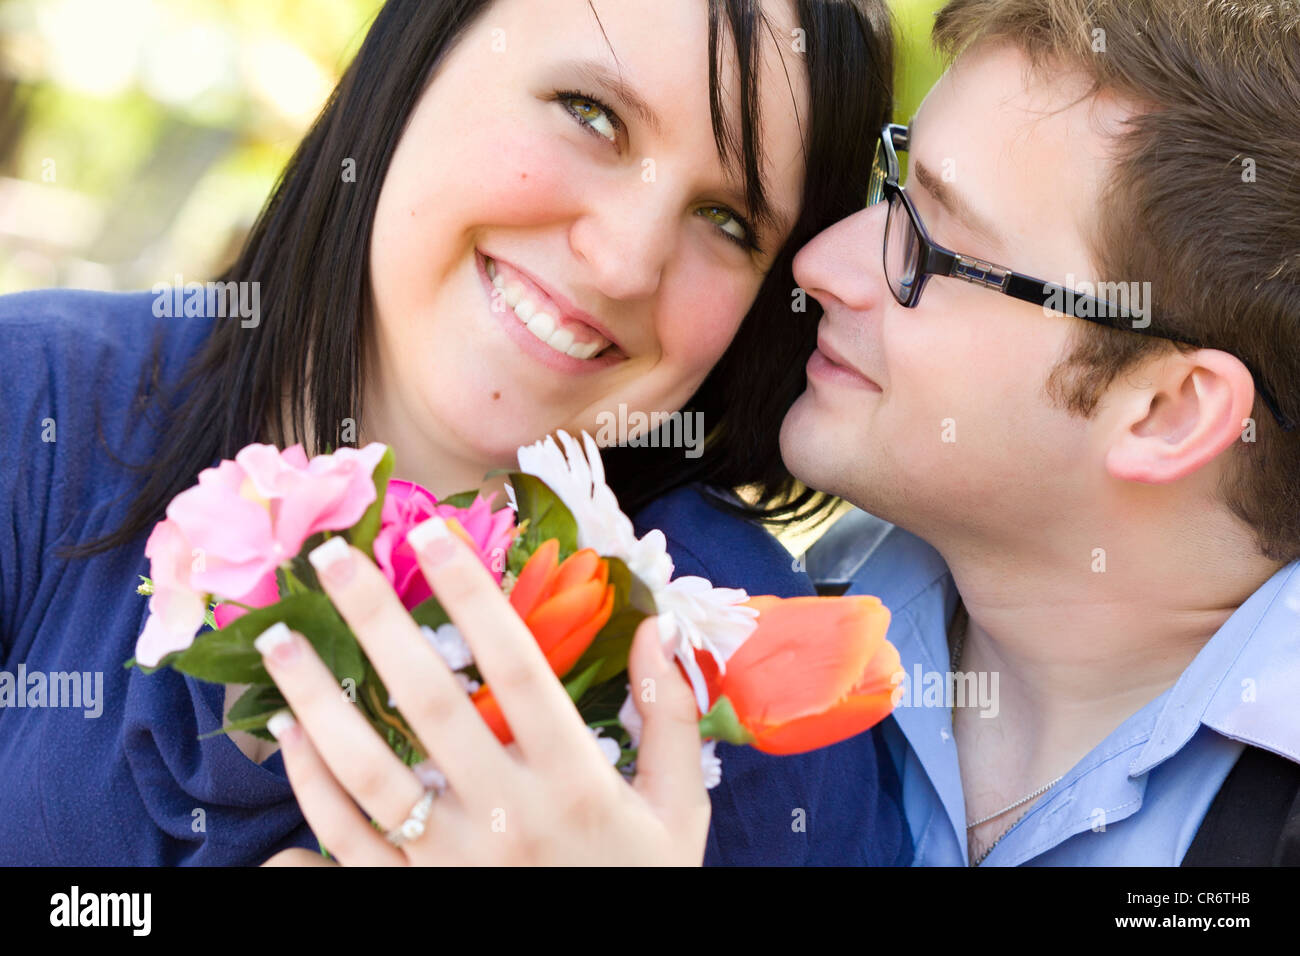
(1138, 798)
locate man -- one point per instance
(1094, 445)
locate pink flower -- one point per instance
(252, 514)
(329, 493)
(406, 505)
(175, 608)
(246, 517)
(265, 593)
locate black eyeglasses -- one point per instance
(911, 257)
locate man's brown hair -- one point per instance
(1203, 200)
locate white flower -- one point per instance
(708, 619)
(711, 764)
(450, 645)
(608, 747)
(579, 481)
(705, 618)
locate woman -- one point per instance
(635, 176)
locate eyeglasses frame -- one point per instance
(935, 259)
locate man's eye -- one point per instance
(732, 226)
(593, 114)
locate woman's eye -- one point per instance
(593, 114)
(730, 224)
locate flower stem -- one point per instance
(291, 579)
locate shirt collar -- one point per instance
(1245, 681)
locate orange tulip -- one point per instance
(817, 670)
(564, 605)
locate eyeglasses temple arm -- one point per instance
(1102, 312)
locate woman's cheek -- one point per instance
(529, 180)
(701, 323)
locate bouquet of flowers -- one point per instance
(782, 675)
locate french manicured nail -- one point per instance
(277, 642)
(432, 540)
(280, 723)
(333, 561)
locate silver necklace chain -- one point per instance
(960, 622)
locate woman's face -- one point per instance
(549, 244)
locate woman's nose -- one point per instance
(844, 261)
(627, 239)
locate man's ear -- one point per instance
(1192, 406)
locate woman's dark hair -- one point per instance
(309, 250)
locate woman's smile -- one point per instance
(546, 315)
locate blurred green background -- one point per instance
(140, 138)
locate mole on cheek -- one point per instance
(495, 396)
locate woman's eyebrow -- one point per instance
(599, 74)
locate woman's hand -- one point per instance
(552, 798)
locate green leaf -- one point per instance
(302, 568)
(577, 686)
(260, 700)
(518, 554)
(228, 656)
(225, 656)
(288, 582)
(430, 613)
(249, 725)
(632, 603)
(639, 595)
(613, 644)
(547, 516)
(462, 499)
(721, 723)
(373, 701)
(602, 702)
(253, 709)
(364, 531)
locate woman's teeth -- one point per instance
(542, 324)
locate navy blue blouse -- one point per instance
(103, 766)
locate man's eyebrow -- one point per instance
(599, 74)
(957, 206)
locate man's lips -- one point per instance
(826, 360)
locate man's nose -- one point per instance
(844, 262)
(627, 238)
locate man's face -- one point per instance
(936, 417)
